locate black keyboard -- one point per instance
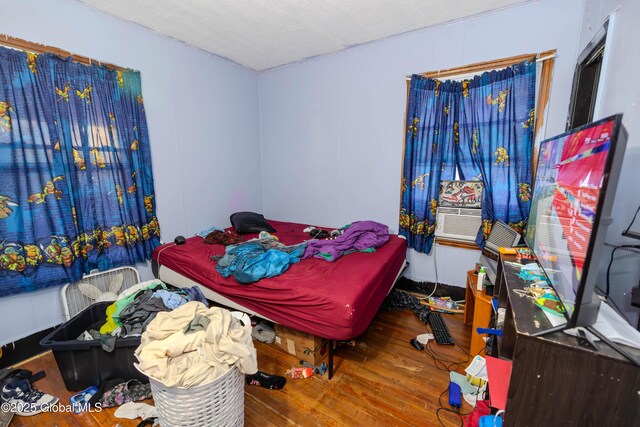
(439, 328)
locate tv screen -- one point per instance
(573, 191)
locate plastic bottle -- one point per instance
(481, 275)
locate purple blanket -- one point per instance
(360, 235)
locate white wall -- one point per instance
(332, 127)
(202, 113)
(620, 95)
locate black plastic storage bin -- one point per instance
(84, 363)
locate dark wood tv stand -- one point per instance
(554, 381)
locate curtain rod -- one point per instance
(540, 57)
(27, 46)
(544, 58)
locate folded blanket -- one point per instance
(178, 359)
(360, 236)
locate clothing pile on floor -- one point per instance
(126, 394)
(400, 300)
(135, 308)
(117, 391)
(194, 345)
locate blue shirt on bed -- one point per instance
(256, 259)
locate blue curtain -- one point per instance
(483, 127)
(429, 157)
(76, 184)
(496, 139)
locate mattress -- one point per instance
(335, 300)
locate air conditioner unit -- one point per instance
(458, 223)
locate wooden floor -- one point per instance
(383, 380)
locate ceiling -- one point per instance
(263, 34)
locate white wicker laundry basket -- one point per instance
(219, 403)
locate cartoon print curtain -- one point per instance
(483, 127)
(429, 157)
(76, 185)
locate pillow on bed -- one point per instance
(250, 222)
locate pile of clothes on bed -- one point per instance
(259, 258)
(264, 257)
(135, 308)
(362, 236)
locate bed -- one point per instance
(334, 300)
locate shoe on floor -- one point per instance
(264, 332)
(28, 401)
(270, 381)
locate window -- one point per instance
(466, 123)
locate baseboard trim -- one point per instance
(455, 292)
(23, 349)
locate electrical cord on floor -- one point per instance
(423, 298)
(457, 412)
(444, 367)
(439, 359)
(453, 411)
(448, 366)
(487, 396)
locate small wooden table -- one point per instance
(477, 311)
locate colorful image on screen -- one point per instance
(564, 204)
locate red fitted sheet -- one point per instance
(335, 300)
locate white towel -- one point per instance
(133, 410)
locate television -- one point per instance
(573, 194)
